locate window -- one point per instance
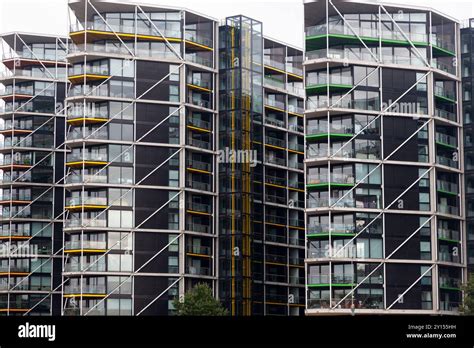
(362, 170)
(424, 201)
(174, 73)
(173, 265)
(174, 93)
(425, 250)
(173, 178)
(120, 218)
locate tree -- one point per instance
(467, 307)
(199, 301)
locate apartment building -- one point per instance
(384, 160)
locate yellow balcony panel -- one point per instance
(275, 263)
(198, 212)
(199, 129)
(295, 151)
(83, 295)
(275, 147)
(18, 274)
(85, 207)
(79, 164)
(15, 237)
(8, 167)
(274, 224)
(14, 202)
(275, 185)
(94, 35)
(295, 76)
(274, 69)
(87, 78)
(198, 46)
(198, 170)
(85, 120)
(295, 114)
(15, 131)
(14, 310)
(199, 88)
(274, 108)
(79, 251)
(199, 255)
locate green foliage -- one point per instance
(199, 301)
(467, 307)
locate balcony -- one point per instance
(276, 278)
(85, 245)
(275, 180)
(335, 83)
(198, 227)
(274, 122)
(198, 250)
(86, 266)
(442, 45)
(276, 199)
(335, 180)
(449, 283)
(446, 140)
(447, 187)
(275, 104)
(272, 63)
(15, 269)
(324, 280)
(443, 94)
(340, 230)
(122, 30)
(84, 289)
(88, 117)
(198, 271)
(275, 160)
(292, 146)
(274, 219)
(294, 70)
(446, 67)
(20, 198)
(447, 255)
(275, 142)
(198, 84)
(450, 306)
(86, 159)
(49, 57)
(202, 144)
(295, 222)
(198, 40)
(194, 122)
(199, 208)
(198, 185)
(198, 59)
(316, 35)
(448, 209)
(448, 235)
(446, 161)
(79, 74)
(28, 73)
(295, 109)
(199, 166)
(273, 82)
(85, 222)
(448, 115)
